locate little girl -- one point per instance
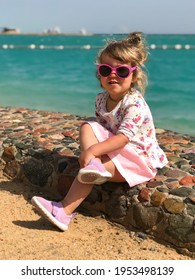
(121, 145)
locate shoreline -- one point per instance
(93, 34)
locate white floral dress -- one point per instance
(133, 118)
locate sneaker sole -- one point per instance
(93, 177)
(43, 211)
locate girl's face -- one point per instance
(116, 87)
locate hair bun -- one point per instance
(135, 38)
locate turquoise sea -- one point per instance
(57, 73)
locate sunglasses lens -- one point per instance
(123, 72)
(105, 70)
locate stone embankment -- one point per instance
(41, 148)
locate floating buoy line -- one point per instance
(88, 47)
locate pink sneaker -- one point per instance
(53, 211)
(93, 173)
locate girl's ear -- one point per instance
(133, 81)
(134, 78)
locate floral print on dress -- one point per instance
(133, 118)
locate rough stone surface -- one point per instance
(41, 148)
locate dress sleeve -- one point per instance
(134, 115)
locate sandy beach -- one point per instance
(24, 235)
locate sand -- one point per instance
(24, 235)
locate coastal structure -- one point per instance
(52, 31)
(41, 149)
(6, 30)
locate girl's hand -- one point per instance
(85, 158)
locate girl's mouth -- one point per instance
(112, 82)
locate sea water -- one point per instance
(57, 73)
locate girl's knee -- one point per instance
(85, 127)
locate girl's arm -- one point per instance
(113, 143)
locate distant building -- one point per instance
(83, 31)
(53, 30)
(6, 30)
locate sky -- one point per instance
(102, 16)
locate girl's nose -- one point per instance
(113, 72)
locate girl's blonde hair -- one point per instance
(131, 50)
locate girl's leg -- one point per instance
(75, 196)
(78, 191)
(87, 137)
(109, 165)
